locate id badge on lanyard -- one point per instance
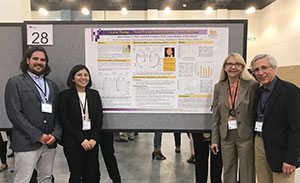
(46, 107)
(232, 124)
(258, 126)
(86, 124)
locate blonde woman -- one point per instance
(233, 114)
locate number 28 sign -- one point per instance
(38, 34)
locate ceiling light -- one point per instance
(43, 11)
(85, 11)
(209, 10)
(167, 11)
(250, 10)
(184, 5)
(124, 11)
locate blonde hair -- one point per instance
(245, 75)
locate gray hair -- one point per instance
(270, 58)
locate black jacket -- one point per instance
(69, 114)
(281, 125)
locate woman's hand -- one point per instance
(214, 148)
(92, 143)
(86, 145)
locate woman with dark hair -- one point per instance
(80, 114)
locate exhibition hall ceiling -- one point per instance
(101, 5)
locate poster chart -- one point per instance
(155, 70)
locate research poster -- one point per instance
(155, 70)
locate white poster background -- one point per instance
(133, 73)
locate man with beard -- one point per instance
(30, 101)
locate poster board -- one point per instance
(68, 49)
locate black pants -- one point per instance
(3, 150)
(83, 165)
(201, 146)
(177, 139)
(108, 153)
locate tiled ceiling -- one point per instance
(148, 4)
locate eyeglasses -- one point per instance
(233, 64)
(263, 68)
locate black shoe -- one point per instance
(191, 159)
(11, 155)
(3, 168)
(177, 149)
(158, 155)
(121, 140)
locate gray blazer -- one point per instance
(244, 110)
(23, 108)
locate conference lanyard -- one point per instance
(83, 107)
(232, 112)
(45, 88)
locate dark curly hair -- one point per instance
(24, 66)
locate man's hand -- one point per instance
(287, 168)
(51, 139)
(44, 139)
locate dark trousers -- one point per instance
(3, 150)
(83, 165)
(201, 146)
(108, 153)
(177, 138)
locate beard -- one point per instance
(38, 73)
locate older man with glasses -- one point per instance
(277, 126)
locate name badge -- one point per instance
(4, 136)
(232, 124)
(47, 107)
(258, 126)
(86, 125)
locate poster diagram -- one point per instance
(148, 60)
(114, 86)
(204, 70)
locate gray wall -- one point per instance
(10, 57)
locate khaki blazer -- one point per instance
(244, 110)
